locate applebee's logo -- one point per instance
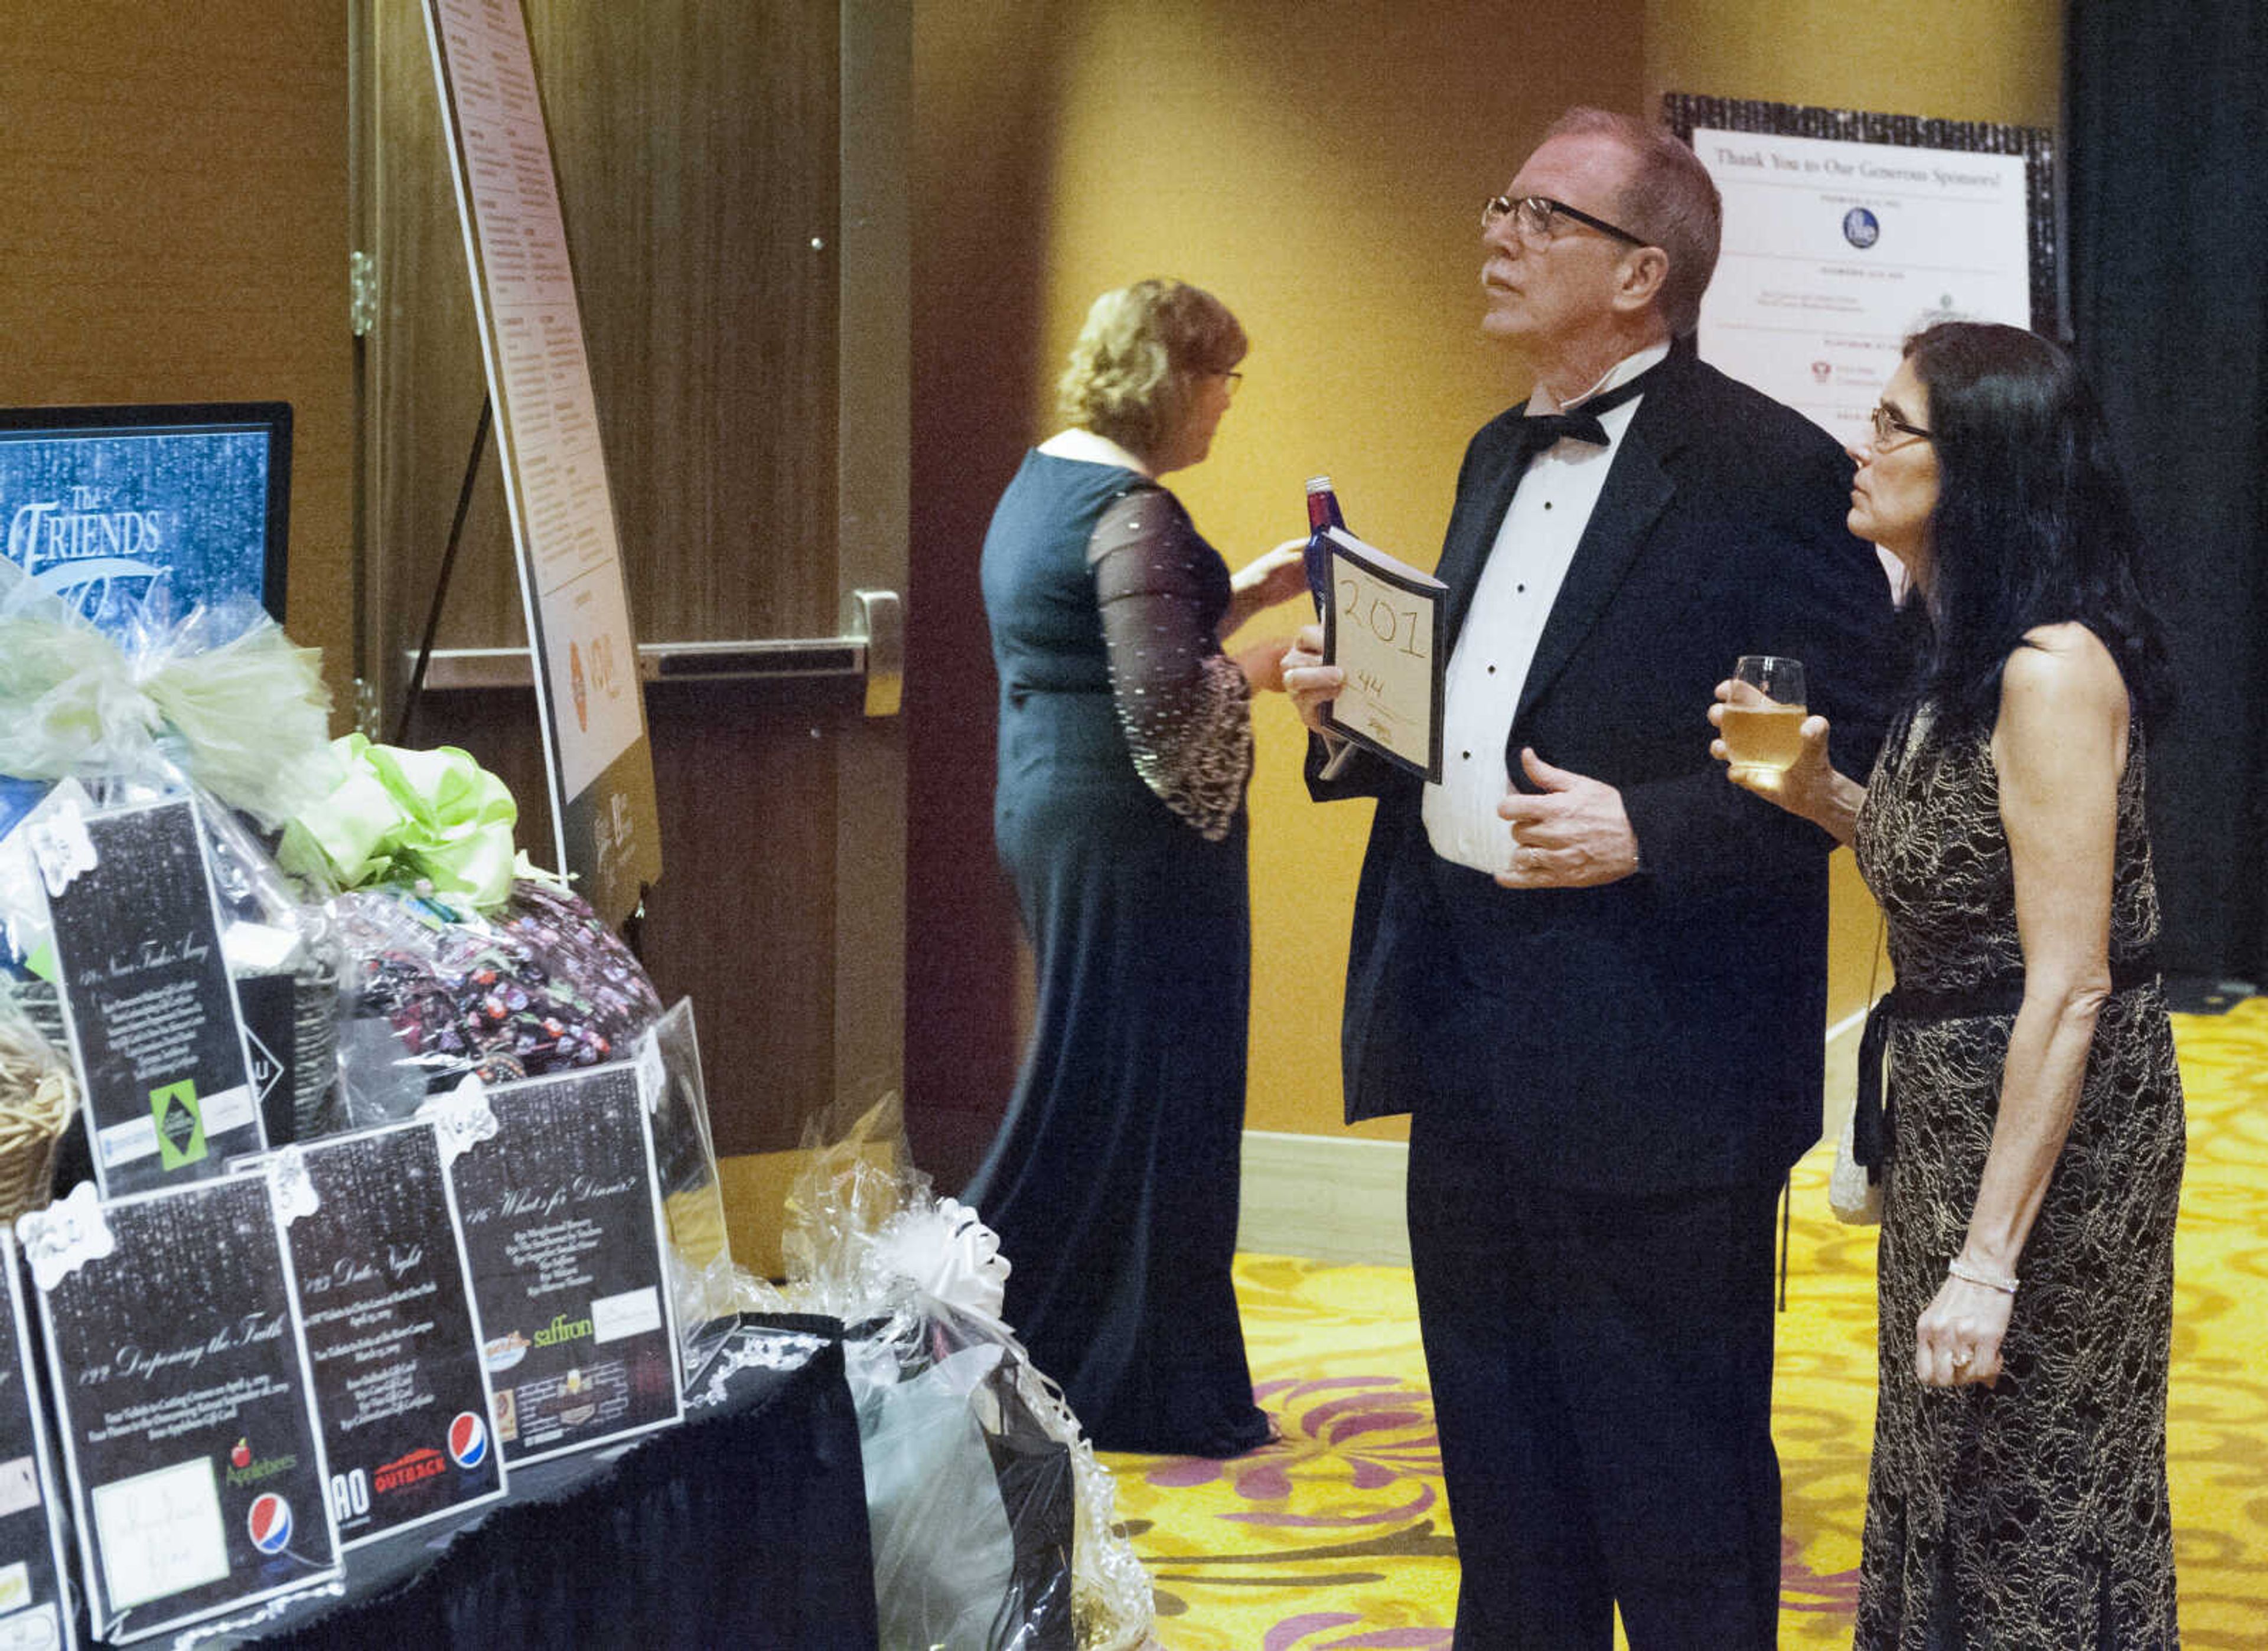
(244, 1469)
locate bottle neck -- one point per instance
(1323, 511)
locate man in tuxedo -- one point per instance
(1591, 969)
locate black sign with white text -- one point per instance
(152, 1012)
(563, 1234)
(35, 1611)
(391, 1335)
(181, 1391)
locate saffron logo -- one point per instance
(562, 1329)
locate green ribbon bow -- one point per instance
(399, 816)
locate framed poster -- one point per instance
(35, 1607)
(1845, 231)
(184, 1402)
(563, 1228)
(392, 1338)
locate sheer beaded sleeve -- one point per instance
(1184, 706)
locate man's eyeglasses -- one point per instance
(1235, 379)
(1887, 425)
(1534, 215)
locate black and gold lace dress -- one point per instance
(2033, 1513)
(1125, 746)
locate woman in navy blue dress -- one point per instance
(1125, 746)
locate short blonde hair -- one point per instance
(1128, 374)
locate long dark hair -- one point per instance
(2033, 525)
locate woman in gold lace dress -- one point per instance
(2033, 1131)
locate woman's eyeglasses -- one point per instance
(1887, 425)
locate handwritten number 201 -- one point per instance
(1387, 622)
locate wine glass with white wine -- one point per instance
(1764, 712)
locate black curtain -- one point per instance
(2166, 150)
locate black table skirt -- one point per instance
(744, 1526)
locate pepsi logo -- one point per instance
(469, 1440)
(270, 1521)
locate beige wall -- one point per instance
(1955, 60)
(174, 193)
(1319, 168)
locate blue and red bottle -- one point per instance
(1322, 514)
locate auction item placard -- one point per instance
(396, 1347)
(35, 1611)
(183, 1398)
(155, 1028)
(563, 1228)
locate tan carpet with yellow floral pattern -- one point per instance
(1338, 1537)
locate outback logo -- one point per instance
(561, 1329)
(243, 1469)
(403, 1471)
(503, 1352)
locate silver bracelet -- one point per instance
(1968, 1274)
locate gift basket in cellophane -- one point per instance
(991, 1519)
(215, 709)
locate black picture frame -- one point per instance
(1686, 113)
(153, 421)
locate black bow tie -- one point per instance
(1540, 430)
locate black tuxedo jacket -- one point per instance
(1665, 1030)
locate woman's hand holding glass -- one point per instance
(1806, 786)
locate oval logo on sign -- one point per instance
(469, 1440)
(1862, 228)
(270, 1521)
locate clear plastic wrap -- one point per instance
(704, 1285)
(215, 705)
(920, 1278)
(433, 991)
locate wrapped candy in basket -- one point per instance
(457, 957)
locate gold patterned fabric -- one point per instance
(2035, 1512)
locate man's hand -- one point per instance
(1575, 834)
(1311, 684)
